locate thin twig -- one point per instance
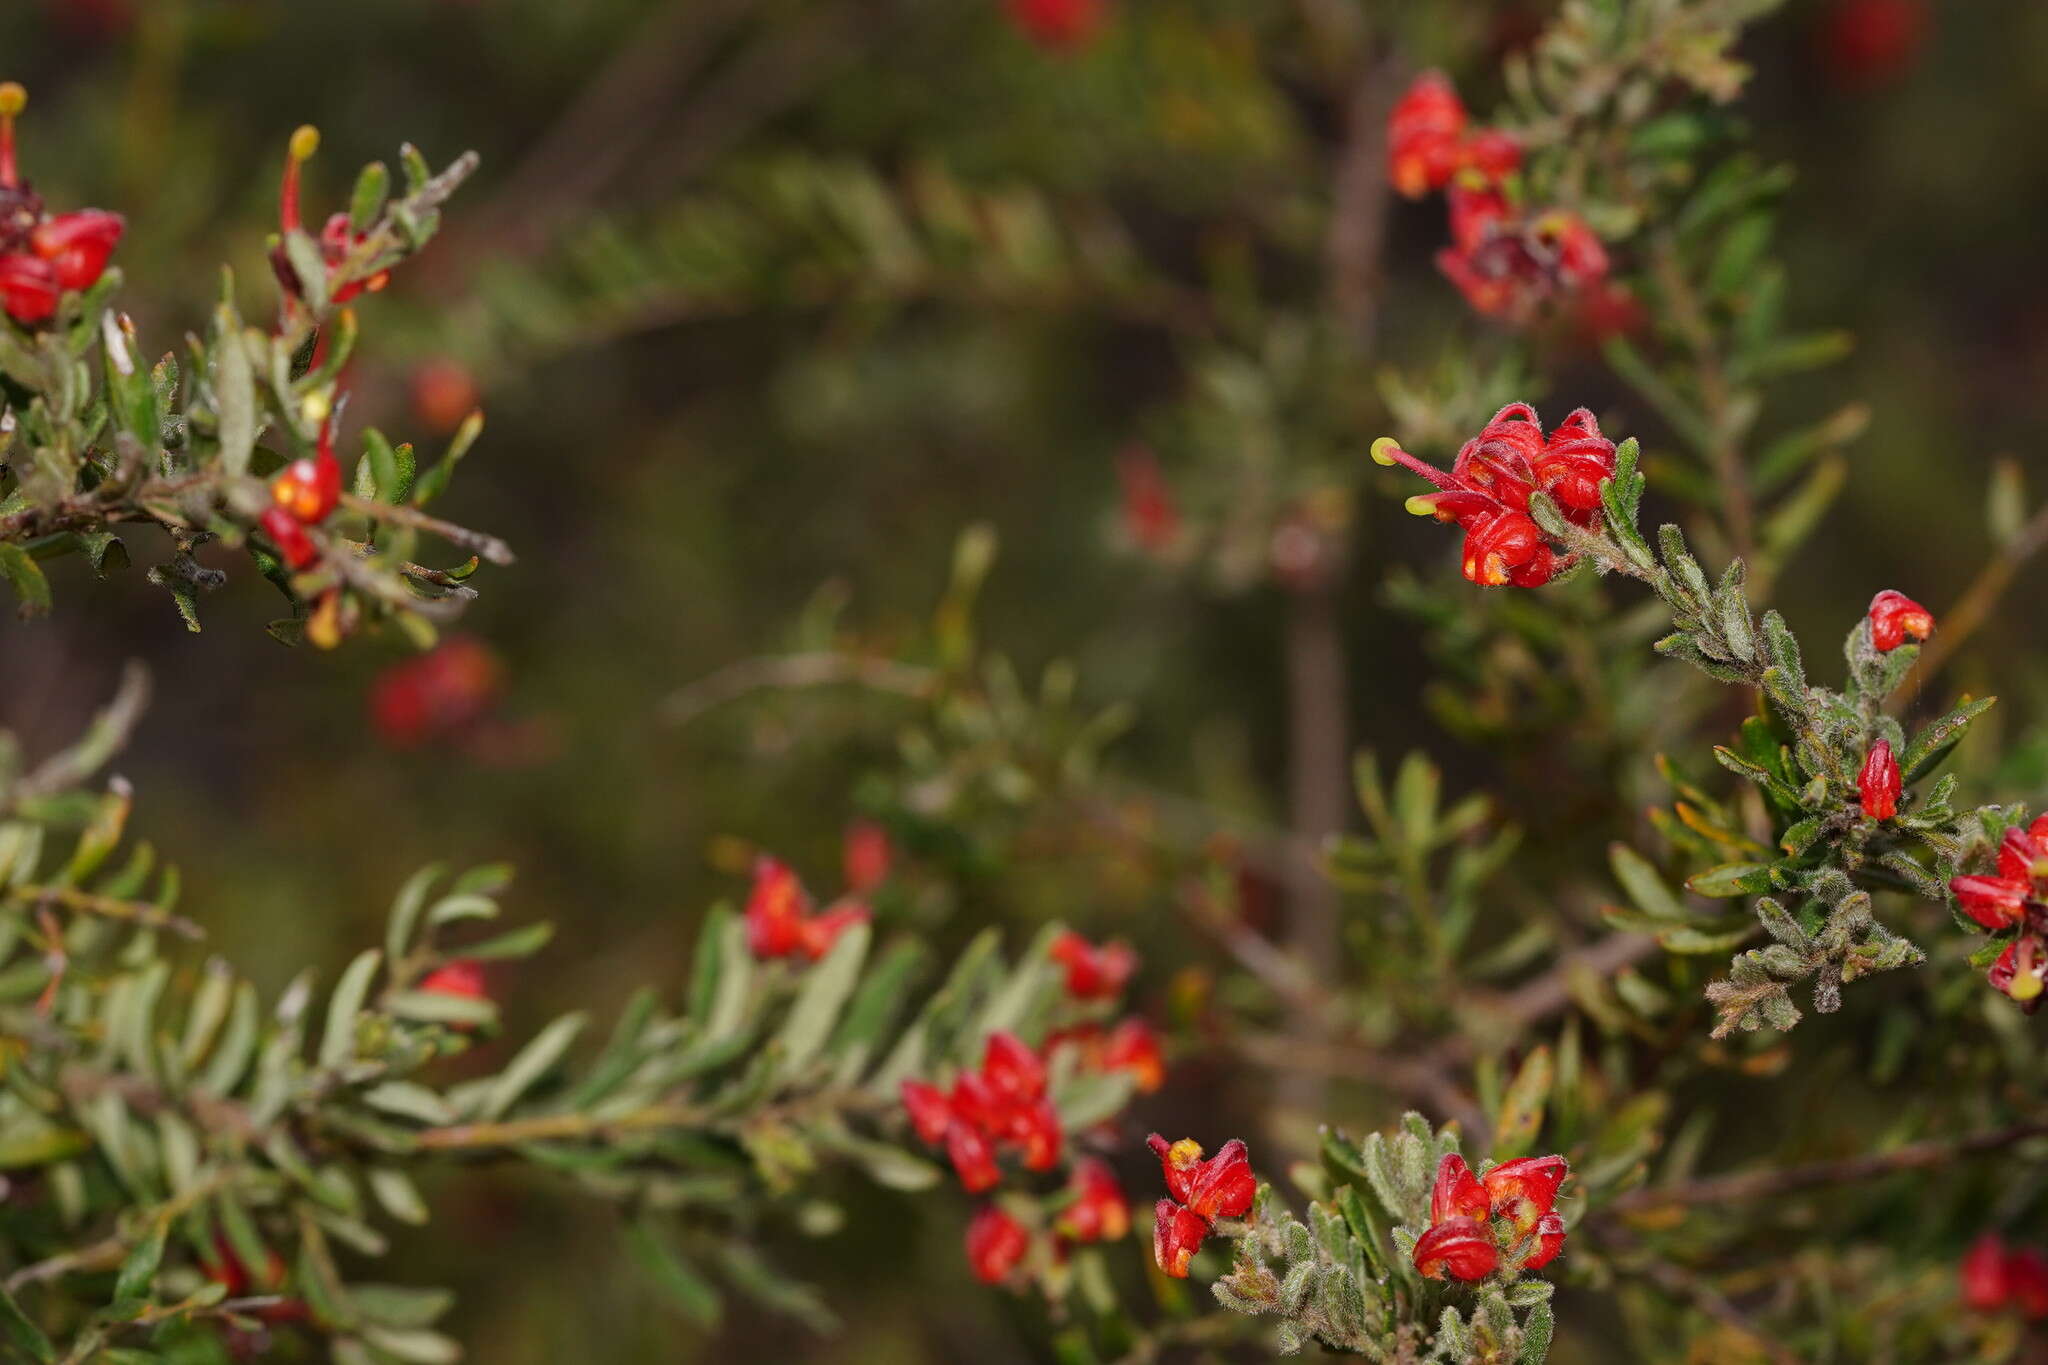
(772, 672)
(1688, 1284)
(476, 542)
(103, 907)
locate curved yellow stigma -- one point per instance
(13, 98)
(305, 141)
(1381, 447)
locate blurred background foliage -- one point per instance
(720, 373)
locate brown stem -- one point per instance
(556, 1127)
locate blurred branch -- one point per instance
(1974, 607)
(1687, 1284)
(108, 735)
(1764, 1184)
(779, 671)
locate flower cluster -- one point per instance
(780, 919)
(1094, 972)
(1502, 1222)
(1996, 1278)
(2016, 898)
(1002, 1105)
(1507, 258)
(1487, 491)
(1200, 1192)
(42, 257)
(1129, 1047)
(1094, 1210)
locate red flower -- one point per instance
(77, 245)
(1493, 154)
(435, 695)
(1221, 1187)
(1150, 515)
(1868, 42)
(311, 489)
(1133, 1048)
(779, 919)
(1998, 902)
(1985, 1285)
(1035, 1129)
(443, 394)
(464, 977)
(1094, 973)
(1425, 136)
(1011, 1068)
(1896, 618)
(2026, 1272)
(1488, 488)
(1057, 25)
(1509, 266)
(1878, 785)
(996, 1243)
(1004, 1103)
(40, 256)
(1177, 1234)
(335, 240)
(1098, 1211)
(865, 856)
(1474, 1221)
(1462, 1246)
(2020, 971)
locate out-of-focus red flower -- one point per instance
(42, 256)
(1094, 973)
(1995, 1279)
(1057, 25)
(444, 393)
(1177, 1234)
(1476, 1221)
(1896, 618)
(1607, 310)
(463, 977)
(1460, 1246)
(1487, 491)
(231, 1273)
(1512, 266)
(996, 1244)
(1223, 1186)
(865, 856)
(1869, 42)
(1878, 785)
(1425, 133)
(435, 696)
(1151, 517)
(1098, 1211)
(1133, 1048)
(779, 920)
(1001, 1104)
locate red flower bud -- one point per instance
(1094, 973)
(1221, 1187)
(1984, 1281)
(1036, 1130)
(1462, 1246)
(996, 1243)
(1878, 784)
(2026, 1275)
(865, 856)
(1425, 136)
(438, 694)
(77, 245)
(294, 546)
(1492, 153)
(931, 1113)
(973, 1157)
(1098, 1211)
(28, 288)
(1868, 42)
(1177, 1234)
(1896, 618)
(1133, 1048)
(464, 977)
(1457, 1192)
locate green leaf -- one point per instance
(1521, 1109)
(338, 1042)
(1643, 884)
(531, 1064)
(23, 575)
(406, 907)
(22, 1334)
(688, 1290)
(824, 993)
(140, 1267)
(234, 391)
(1932, 744)
(1731, 879)
(366, 203)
